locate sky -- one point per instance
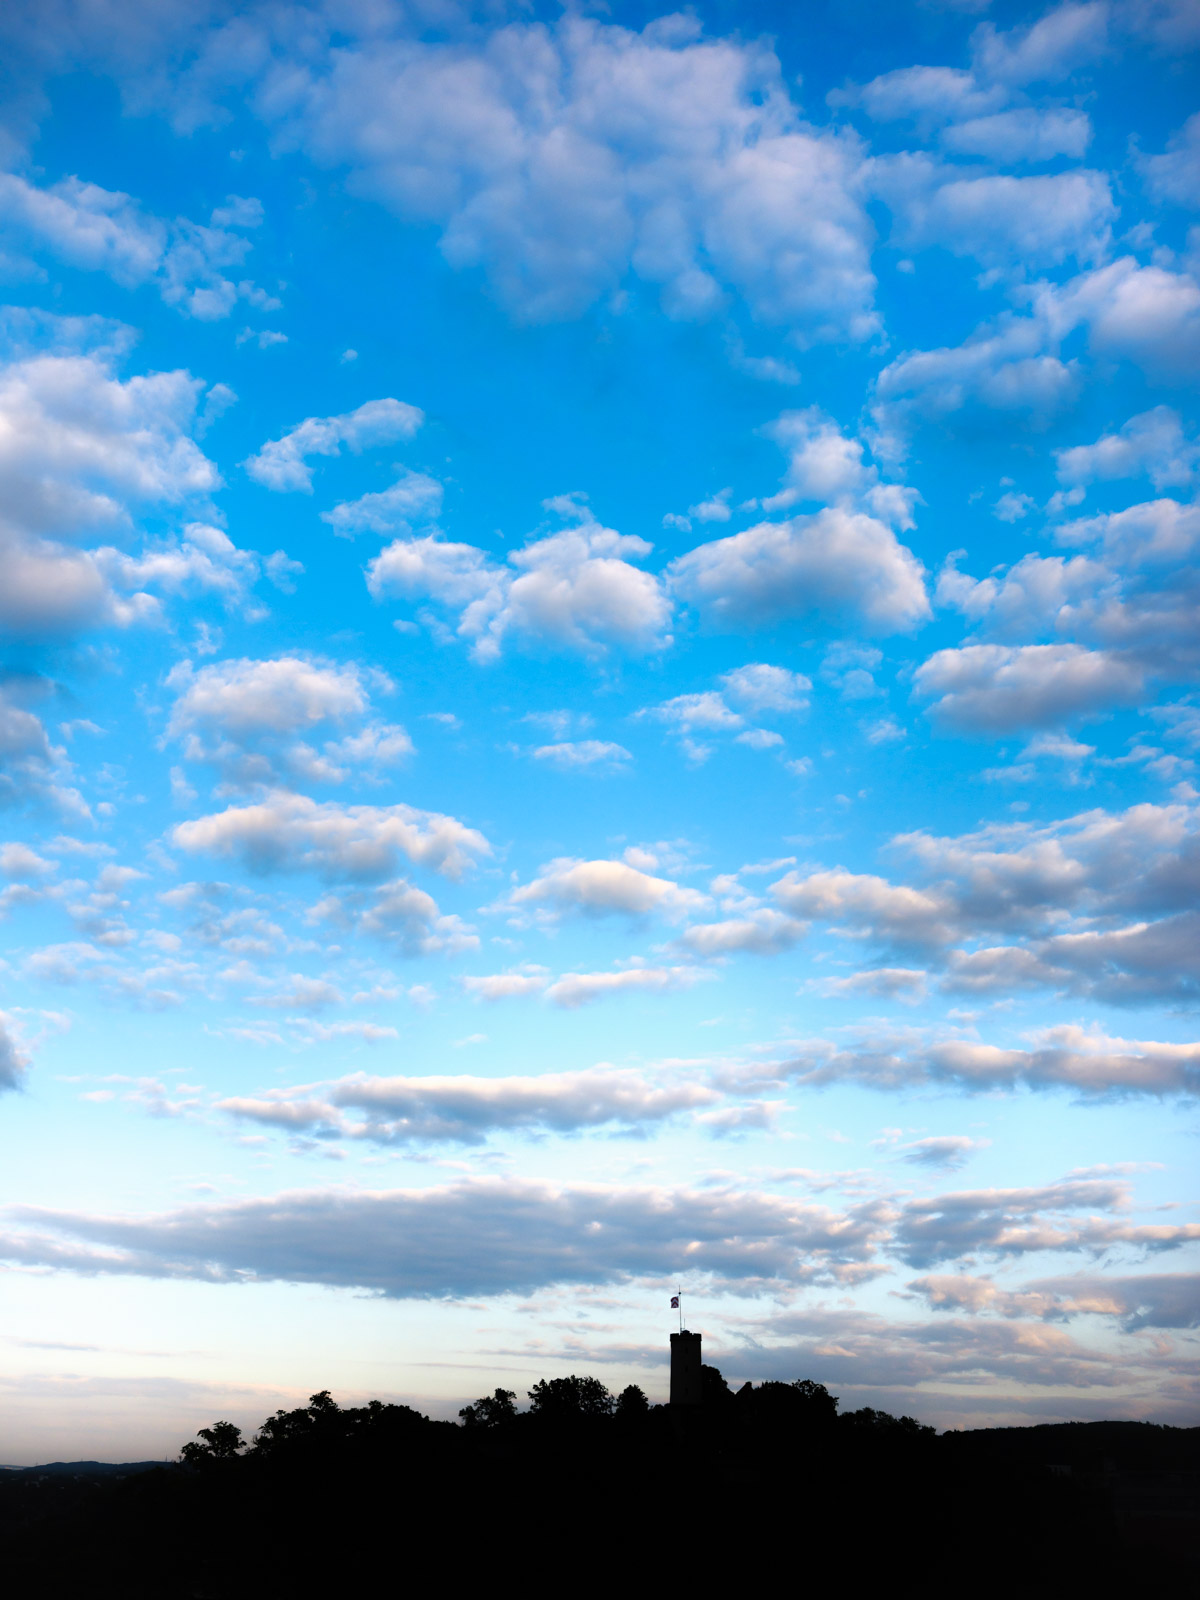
(599, 638)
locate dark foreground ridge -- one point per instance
(586, 1492)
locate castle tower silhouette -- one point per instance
(685, 1369)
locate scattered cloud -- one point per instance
(283, 464)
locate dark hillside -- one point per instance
(769, 1485)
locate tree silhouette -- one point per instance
(220, 1443)
(570, 1397)
(632, 1402)
(490, 1410)
(883, 1423)
(713, 1388)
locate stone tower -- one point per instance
(685, 1369)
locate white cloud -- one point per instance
(1000, 220)
(583, 753)
(925, 94)
(892, 983)
(576, 989)
(473, 1237)
(466, 1110)
(891, 911)
(13, 1059)
(282, 464)
(1004, 368)
(504, 985)
(825, 465)
(1053, 47)
(32, 770)
(245, 699)
(80, 453)
(601, 888)
(763, 932)
(760, 688)
(291, 833)
(837, 563)
(1064, 1057)
(1175, 175)
(413, 501)
(1154, 1300)
(247, 717)
(1155, 533)
(1149, 315)
(705, 710)
(103, 230)
(18, 861)
(1152, 443)
(300, 993)
(400, 914)
(714, 509)
(573, 590)
(945, 1151)
(1024, 134)
(565, 160)
(991, 689)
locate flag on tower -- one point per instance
(674, 1302)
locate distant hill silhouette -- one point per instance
(589, 1491)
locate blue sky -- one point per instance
(599, 640)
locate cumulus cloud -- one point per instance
(400, 914)
(478, 1237)
(282, 464)
(571, 756)
(1174, 176)
(1147, 1300)
(1134, 593)
(603, 888)
(991, 689)
(1017, 1222)
(82, 453)
(893, 983)
(1149, 315)
(944, 1151)
(1066, 38)
(1103, 900)
(1024, 134)
(1000, 220)
(565, 161)
(32, 770)
(468, 1110)
(1152, 443)
(762, 932)
(103, 230)
(505, 985)
(13, 1059)
(762, 688)
(413, 501)
(924, 94)
(838, 563)
(1013, 367)
(824, 464)
(246, 718)
(895, 912)
(1064, 1057)
(576, 989)
(573, 590)
(291, 833)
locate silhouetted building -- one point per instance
(685, 1369)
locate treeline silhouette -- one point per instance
(587, 1490)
